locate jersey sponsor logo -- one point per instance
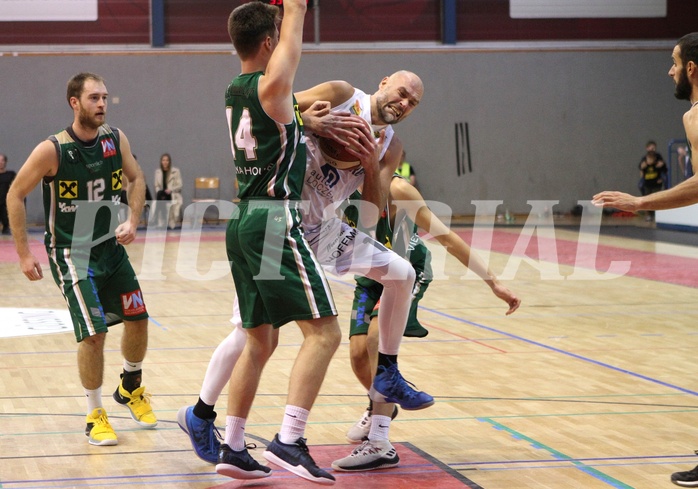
(330, 174)
(68, 189)
(320, 183)
(132, 303)
(108, 147)
(339, 246)
(67, 208)
(71, 154)
(116, 179)
(356, 108)
(254, 170)
(297, 112)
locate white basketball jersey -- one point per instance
(325, 187)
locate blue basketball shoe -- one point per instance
(203, 434)
(390, 386)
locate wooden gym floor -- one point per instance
(591, 384)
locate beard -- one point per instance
(683, 87)
(386, 115)
(87, 121)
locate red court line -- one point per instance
(643, 264)
(452, 333)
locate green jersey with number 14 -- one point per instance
(269, 156)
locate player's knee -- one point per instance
(401, 274)
(274, 342)
(330, 337)
(94, 341)
(333, 337)
(357, 351)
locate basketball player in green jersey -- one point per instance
(81, 170)
(270, 159)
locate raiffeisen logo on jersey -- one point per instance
(108, 148)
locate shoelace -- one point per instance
(403, 386)
(301, 443)
(365, 447)
(143, 396)
(102, 420)
(217, 436)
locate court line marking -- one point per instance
(597, 474)
(563, 352)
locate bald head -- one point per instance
(397, 96)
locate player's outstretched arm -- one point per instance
(276, 86)
(424, 218)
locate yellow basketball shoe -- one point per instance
(138, 404)
(98, 429)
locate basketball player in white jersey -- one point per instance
(340, 248)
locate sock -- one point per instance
(386, 360)
(131, 380)
(94, 399)
(203, 410)
(132, 366)
(380, 427)
(293, 426)
(235, 432)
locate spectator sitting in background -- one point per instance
(6, 177)
(653, 170)
(168, 187)
(653, 173)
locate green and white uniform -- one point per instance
(81, 212)
(405, 242)
(277, 278)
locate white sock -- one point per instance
(235, 432)
(293, 426)
(380, 427)
(132, 366)
(94, 399)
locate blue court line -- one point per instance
(559, 455)
(563, 352)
